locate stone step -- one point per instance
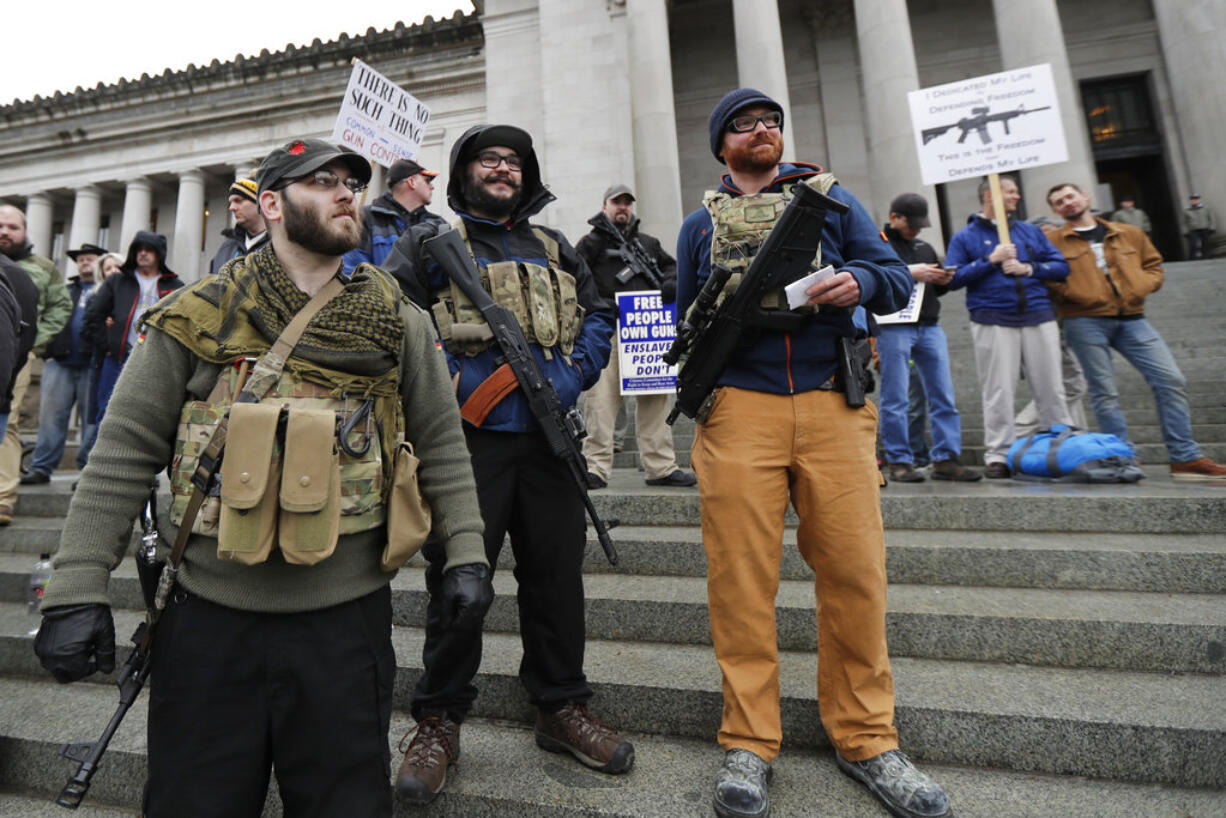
(1123, 630)
(502, 773)
(1166, 728)
(1156, 504)
(1181, 563)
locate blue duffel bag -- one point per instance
(1066, 454)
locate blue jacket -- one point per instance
(383, 221)
(782, 362)
(993, 297)
(420, 277)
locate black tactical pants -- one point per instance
(525, 491)
(235, 693)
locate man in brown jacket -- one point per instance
(1113, 267)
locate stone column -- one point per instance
(137, 205)
(376, 188)
(185, 248)
(1029, 34)
(38, 223)
(887, 65)
(838, 79)
(759, 57)
(657, 169)
(86, 216)
(1191, 33)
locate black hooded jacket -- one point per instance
(595, 248)
(117, 297)
(515, 240)
(18, 326)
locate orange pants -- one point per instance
(755, 451)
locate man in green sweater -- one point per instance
(266, 654)
(54, 310)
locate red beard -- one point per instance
(762, 153)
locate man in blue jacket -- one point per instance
(781, 429)
(1013, 322)
(523, 489)
(410, 187)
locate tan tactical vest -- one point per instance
(363, 480)
(543, 300)
(739, 225)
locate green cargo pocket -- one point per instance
(309, 521)
(247, 525)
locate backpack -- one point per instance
(1066, 454)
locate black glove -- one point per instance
(76, 640)
(467, 593)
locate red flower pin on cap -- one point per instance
(297, 148)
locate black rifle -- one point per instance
(979, 123)
(563, 429)
(135, 670)
(709, 335)
(637, 260)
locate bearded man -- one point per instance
(274, 650)
(807, 445)
(525, 491)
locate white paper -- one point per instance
(910, 313)
(796, 290)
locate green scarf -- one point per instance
(351, 345)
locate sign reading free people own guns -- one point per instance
(645, 330)
(379, 119)
(991, 124)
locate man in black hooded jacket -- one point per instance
(112, 318)
(523, 489)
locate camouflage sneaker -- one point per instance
(435, 747)
(576, 731)
(898, 785)
(740, 786)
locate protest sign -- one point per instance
(646, 327)
(995, 123)
(379, 119)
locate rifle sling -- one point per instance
(274, 359)
(489, 394)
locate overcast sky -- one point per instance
(54, 46)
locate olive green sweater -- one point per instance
(137, 439)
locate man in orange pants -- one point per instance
(781, 427)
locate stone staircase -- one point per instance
(1057, 650)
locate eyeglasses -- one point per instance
(492, 159)
(327, 179)
(747, 122)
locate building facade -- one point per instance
(619, 91)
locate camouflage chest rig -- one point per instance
(739, 225)
(544, 301)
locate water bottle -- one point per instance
(39, 578)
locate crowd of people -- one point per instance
(288, 547)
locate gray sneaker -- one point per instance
(740, 786)
(895, 781)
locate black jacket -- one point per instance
(118, 296)
(18, 300)
(918, 251)
(595, 248)
(60, 346)
(234, 246)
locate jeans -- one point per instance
(1198, 244)
(61, 388)
(1092, 340)
(897, 345)
(917, 419)
(107, 376)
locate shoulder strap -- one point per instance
(264, 374)
(822, 182)
(552, 248)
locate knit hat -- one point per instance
(246, 188)
(726, 108)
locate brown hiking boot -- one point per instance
(952, 469)
(1202, 469)
(576, 731)
(434, 748)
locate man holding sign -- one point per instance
(920, 338)
(1013, 322)
(601, 249)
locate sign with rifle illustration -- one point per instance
(991, 124)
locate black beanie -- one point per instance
(727, 107)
